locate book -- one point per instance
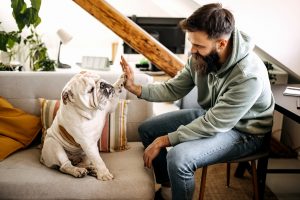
(292, 91)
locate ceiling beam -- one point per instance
(133, 35)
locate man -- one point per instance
(233, 91)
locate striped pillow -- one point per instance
(113, 136)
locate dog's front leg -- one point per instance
(53, 154)
(118, 85)
(93, 154)
(87, 164)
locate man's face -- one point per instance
(204, 52)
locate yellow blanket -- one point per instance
(17, 128)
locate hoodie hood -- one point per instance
(242, 44)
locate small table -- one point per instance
(286, 104)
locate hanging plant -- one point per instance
(26, 16)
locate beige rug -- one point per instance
(240, 188)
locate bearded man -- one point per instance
(235, 98)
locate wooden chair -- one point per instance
(258, 172)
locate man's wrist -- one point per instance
(164, 141)
(137, 90)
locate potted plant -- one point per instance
(38, 56)
(7, 43)
(37, 51)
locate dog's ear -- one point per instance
(67, 96)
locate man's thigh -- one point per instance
(169, 122)
(218, 148)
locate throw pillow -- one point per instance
(113, 136)
(17, 128)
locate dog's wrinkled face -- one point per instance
(88, 91)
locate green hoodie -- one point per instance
(236, 96)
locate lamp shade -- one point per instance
(64, 36)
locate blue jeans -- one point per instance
(178, 165)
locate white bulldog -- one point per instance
(71, 142)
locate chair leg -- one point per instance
(203, 182)
(241, 168)
(254, 180)
(262, 167)
(228, 174)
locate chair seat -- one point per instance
(256, 156)
(258, 170)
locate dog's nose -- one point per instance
(107, 88)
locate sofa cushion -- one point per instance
(113, 136)
(17, 128)
(23, 173)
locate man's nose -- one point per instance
(193, 50)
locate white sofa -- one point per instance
(22, 176)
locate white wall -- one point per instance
(272, 23)
(90, 37)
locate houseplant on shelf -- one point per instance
(31, 44)
(7, 43)
(38, 56)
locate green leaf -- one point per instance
(26, 16)
(3, 41)
(10, 43)
(8, 40)
(36, 4)
(18, 6)
(31, 16)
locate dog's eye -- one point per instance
(102, 85)
(91, 90)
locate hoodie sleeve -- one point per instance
(224, 115)
(170, 90)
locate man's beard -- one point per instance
(206, 64)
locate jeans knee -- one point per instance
(178, 163)
(144, 133)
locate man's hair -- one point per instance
(212, 19)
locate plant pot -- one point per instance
(4, 58)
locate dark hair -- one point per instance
(212, 19)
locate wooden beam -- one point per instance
(133, 35)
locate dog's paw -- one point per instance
(123, 79)
(104, 175)
(119, 84)
(92, 171)
(80, 172)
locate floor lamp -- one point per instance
(64, 39)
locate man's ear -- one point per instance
(67, 96)
(221, 44)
